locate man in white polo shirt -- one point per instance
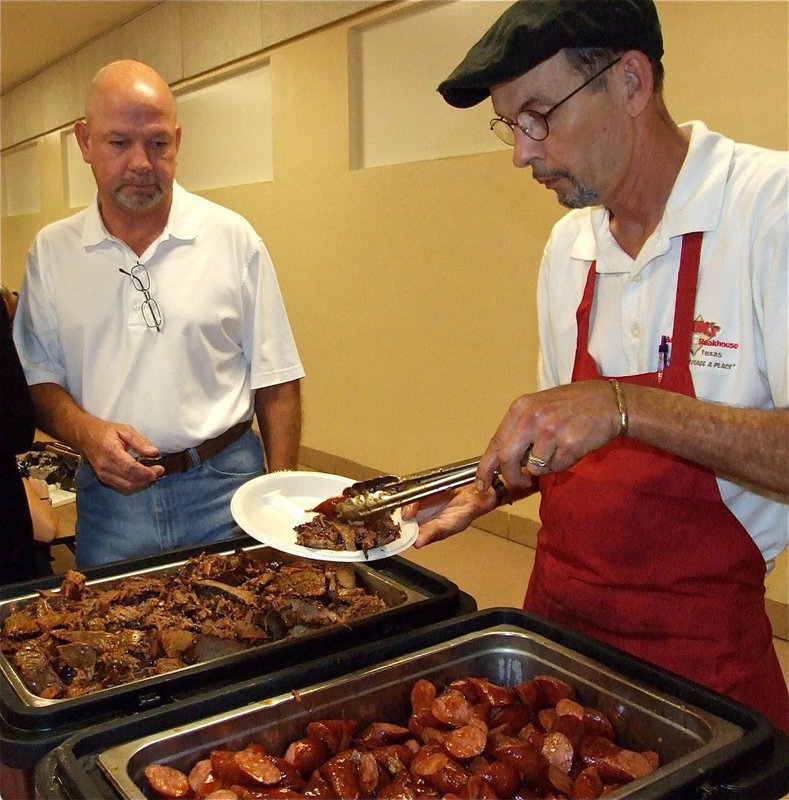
(659, 443)
(151, 328)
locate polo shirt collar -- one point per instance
(181, 224)
(93, 230)
(695, 202)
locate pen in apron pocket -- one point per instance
(663, 358)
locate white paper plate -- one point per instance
(269, 507)
(62, 497)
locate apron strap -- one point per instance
(687, 284)
(685, 304)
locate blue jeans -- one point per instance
(179, 510)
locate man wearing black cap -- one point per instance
(659, 442)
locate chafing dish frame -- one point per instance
(753, 764)
(27, 733)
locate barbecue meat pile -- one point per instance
(471, 739)
(82, 639)
(331, 533)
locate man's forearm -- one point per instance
(278, 409)
(105, 445)
(58, 414)
(751, 445)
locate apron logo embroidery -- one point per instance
(709, 351)
(702, 333)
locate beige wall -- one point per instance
(411, 288)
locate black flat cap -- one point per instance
(531, 31)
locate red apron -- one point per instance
(639, 551)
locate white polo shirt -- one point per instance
(225, 331)
(738, 196)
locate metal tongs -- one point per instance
(366, 499)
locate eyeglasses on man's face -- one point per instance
(533, 123)
(141, 281)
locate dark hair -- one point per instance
(588, 60)
(7, 298)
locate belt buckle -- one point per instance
(149, 462)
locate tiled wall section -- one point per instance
(20, 185)
(426, 126)
(228, 130)
(228, 142)
(56, 96)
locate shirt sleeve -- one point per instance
(268, 340)
(36, 328)
(771, 292)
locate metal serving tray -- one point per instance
(716, 749)
(644, 718)
(31, 726)
(394, 594)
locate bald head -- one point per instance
(129, 83)
(130, 138)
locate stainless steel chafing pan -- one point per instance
(395, 594)
(687, 738)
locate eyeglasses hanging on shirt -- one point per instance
(141, 281)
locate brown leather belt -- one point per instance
(182, 462)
